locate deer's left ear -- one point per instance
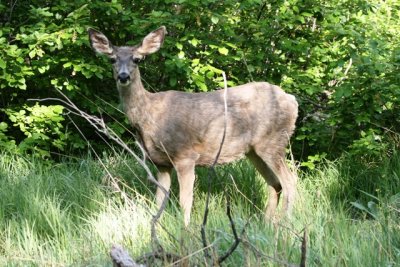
(100, 42)
(152, 42)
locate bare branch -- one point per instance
(336, 82)
(121, 258)
(211, 170)
(160, 255)
(101, 127)
(237, 239)
(304, 249)
(261, 10)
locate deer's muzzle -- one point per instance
(123, 77)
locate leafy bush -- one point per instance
(41, 126)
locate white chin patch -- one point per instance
(126, 83)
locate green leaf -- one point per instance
(42, 69)
(194, 42)
(3, 126)
(251, 68)
(32, 53)
(3, 64)
(195, 62)
(181, 54)
(359, 206)
(68, 64)
(371, 210)
(214, 19)
(309, 165)
(172, 81)
(179, 46)
(223, 51)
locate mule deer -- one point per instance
(181, 130)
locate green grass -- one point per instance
(70, 213)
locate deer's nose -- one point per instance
(123, 77)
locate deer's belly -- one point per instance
(231, 151)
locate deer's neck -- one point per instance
(134, 99)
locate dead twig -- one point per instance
(160, 255)
(237, 239)
(121, 258)
(101, 127)
(304, 248)
(212, 172)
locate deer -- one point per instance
(181, 130)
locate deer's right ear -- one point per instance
(99, 42)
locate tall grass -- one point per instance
(70, 213)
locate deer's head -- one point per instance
(125, 59)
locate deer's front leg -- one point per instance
(186, 177)
(164, 178)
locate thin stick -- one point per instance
(237, 239)
(212, 170)
(121, 258)
(101, 127)
(304, 249)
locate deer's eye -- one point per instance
(113, 60)
(136, 60)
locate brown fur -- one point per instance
(181, 130)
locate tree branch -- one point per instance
(121, 258)
(304, 249)
(101, 127)
(212, 171)
(237, 239)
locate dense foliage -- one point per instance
(340, 58)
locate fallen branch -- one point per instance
(121, 258)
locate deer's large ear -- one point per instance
(100, 42)
(153, 41)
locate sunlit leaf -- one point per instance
(223, 50)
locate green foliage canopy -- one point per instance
(340, 58)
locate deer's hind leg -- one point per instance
(287, 180)
(274, 185)
(280, 179)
